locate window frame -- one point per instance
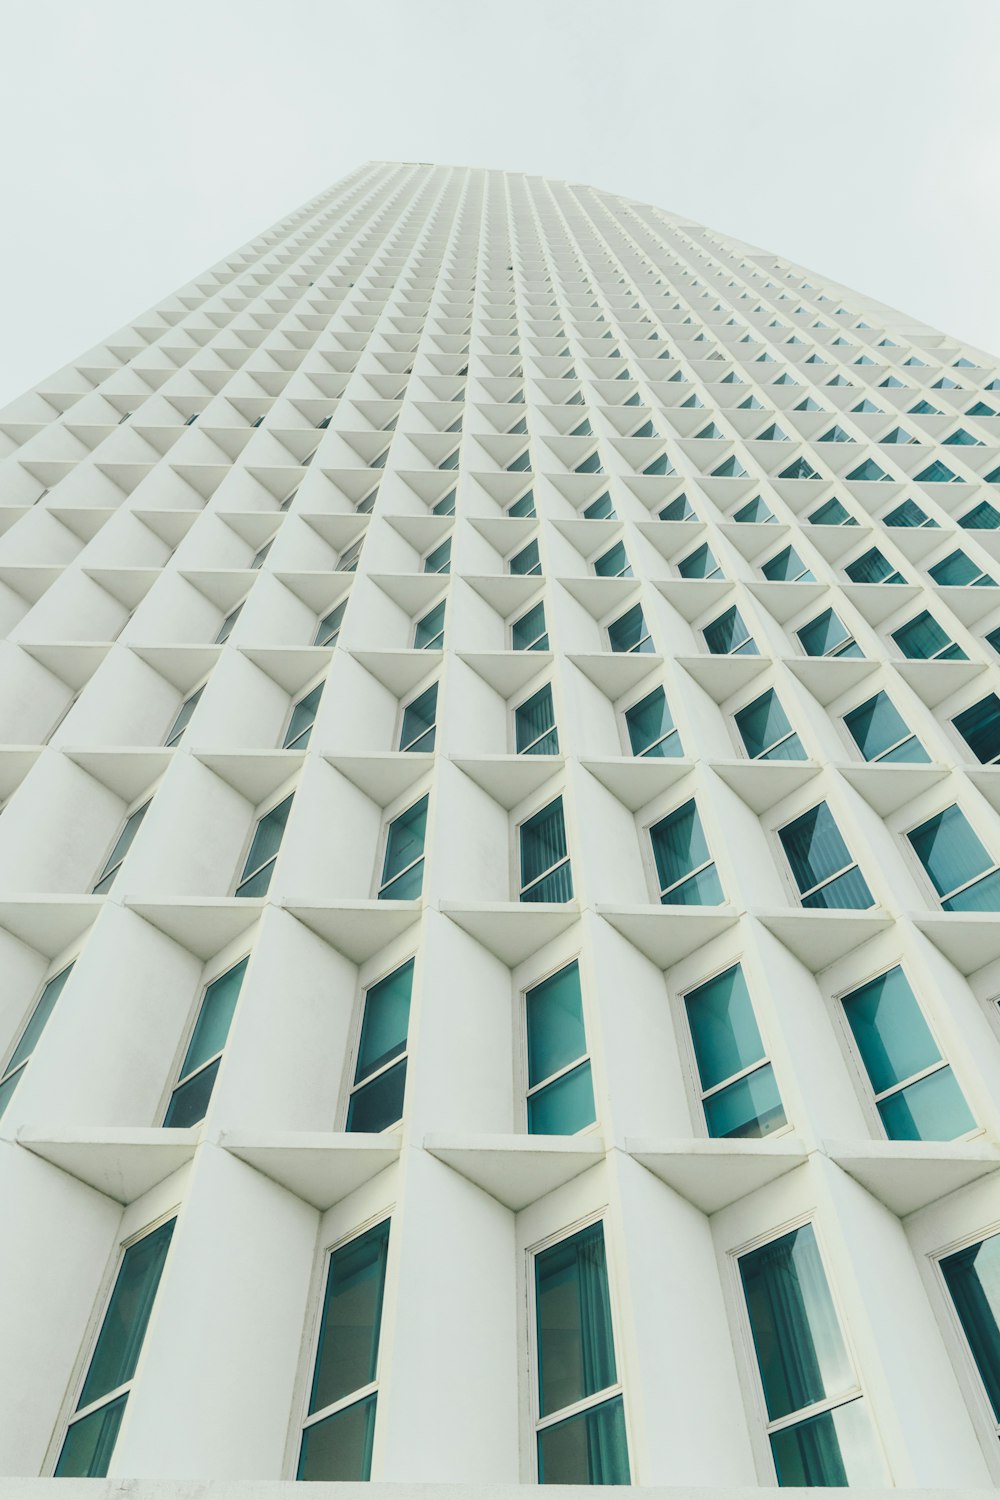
(552, 729)
(689, 1058)
(188, 1034)
(113, 871)
(7, 1072)
(763, 757)
(626, 734)
(351, 1084)
(418, 621)
(786, 865)
(858, 755)
(173, 740)
(383, 849)
(649, 856)
(320, 682)
(244, 876)
(518, 823)
(925, 879)
(525, 1091)
(957, 1345)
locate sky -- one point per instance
(144, 142)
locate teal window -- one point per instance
(226, 628)
(93, 1429)
(826, 875)
(367, 505)
(828, 636)
(451, 462)
(591, 464)
(545, 867)
(264, 846)
(959, 571)
(993, 638)
(10, 1075)
(685, 870)
(787, 566)
(302, 719)
(982, 517)
(429, 632)
(439, 560)
(525, 562)
(772, 434)
(739, 1094)
(183, 718)
(678, 509)
(766, 732)
(445, 506)
(577, 1371)
(347, 562)
(193, 1090)
(122, 845)
(924, 409)
(600, 509)
(651, 730)
(915, 1091)
(403, 865)
(817, 1420)
(729, 636)
(529, 633)
(979, 726)
(898, 435)
(956, 862)
(961, 438)
(560, 1098)
(339, 1428)
(836, 434)
(525, 506)
(799, 468)
(535, 730)
(922, 639)
(730, 468)
(868, 472)
(379, 1086)
(699, 564)
(880, 732)
(417, 730)
(329, 625)
(873, 567)
(614, 563)
(972, 1277)
(754, 513)
(832, 513)
(629, 632)
(938, 473)
(908, 513)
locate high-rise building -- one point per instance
(499, 854)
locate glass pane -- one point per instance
(124, 1327)
(302, 719)
(89, 1443)
(256, 885)
(122, 845)
(729, 634)
(556, 1036)
(526, 561)
(377, 1105)
(979, 726)
(329, 625)
(949, 850)
(698, 564)
(814, 847)
(267, 838)
(723, 1027)
(36, 1023)
(890, 1031)
(386, 1021)
(7, 1088)
(933, 1109)
(526, 631)
(703, 889)
(983, 896)
(589, 1448)
(836, 1448)
(183, 718)
(761, 724)
(910, 750)
(800, 1351)
(557, 886)
(189, 1101)
(430, 629)
(347, 1352)
(629, 633)
(532, 720)
(417, 731)
(679, 845)
(972, 1276)
(576, 1352)
(543, 841)
(823, 634)
(876, 725)
(565, 1106)
(405, 887)
(340, 1447)
(746, 1110)
(849, 892)
(406, 839)
(649, 723)
(214, 1018)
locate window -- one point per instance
(629, 633)
(983, 516)
(545, 868)
(957, 865)
(915, 1090)
(958, 571)
(529, 633)
(183, 718)
(347, 562)
(824, 871)
(418, 725)
(972, 1277)
(908, 513)
(576, 1366)
(881, 734)
(90, 1438)
(226, 628)
(685, 870)
(832, 513)
(445, 506)
(339, 1428)
(527, 561)
(403, 865)
(738, 1090)
(376, 1100)
(614, 563)
(10, 1076)
(677, 510)
(193, 1090)
(525, 506)
(560, 1097)
(979, 726)
(766, 732)
(264, 846)
(651, 730)
(817, 1423)
(729, 636)
(922, 639)
(787, 567)
(122, 845)
(699, 564)
(302, 719)
(600, 509)
(261, 553)
(428, 634)
(873, 567)
(754, 513)
(439, 561)
(535, 725)
(827, 636)
(329, 625)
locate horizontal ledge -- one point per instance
(517, 1170)
(907, 1175)
(123, 1163)
(711, 1174)
(512, 930)
(319, 1167)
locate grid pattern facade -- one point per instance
(499, 887)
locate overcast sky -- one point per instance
(143, 142)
